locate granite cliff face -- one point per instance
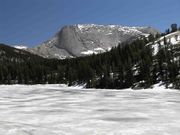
(80, 40)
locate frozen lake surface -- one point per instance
(55, 110)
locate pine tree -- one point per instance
(173, 27)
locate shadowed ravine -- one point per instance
(54, 110)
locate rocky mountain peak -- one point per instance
(86, 39)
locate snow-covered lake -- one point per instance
(56, 110)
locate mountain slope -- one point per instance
(8, 52)
(21, 67)
(82, 40)
(171, 39)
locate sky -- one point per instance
(31, 22)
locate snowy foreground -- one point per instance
(59, 110)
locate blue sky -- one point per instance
(31, 22)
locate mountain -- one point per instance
(81, 40)
(139, 64)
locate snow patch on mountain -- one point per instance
(125, 29)
(88, 52)
(60, 56)
(94, 51)
(99, 49)
(172, 39)
(22, 47)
